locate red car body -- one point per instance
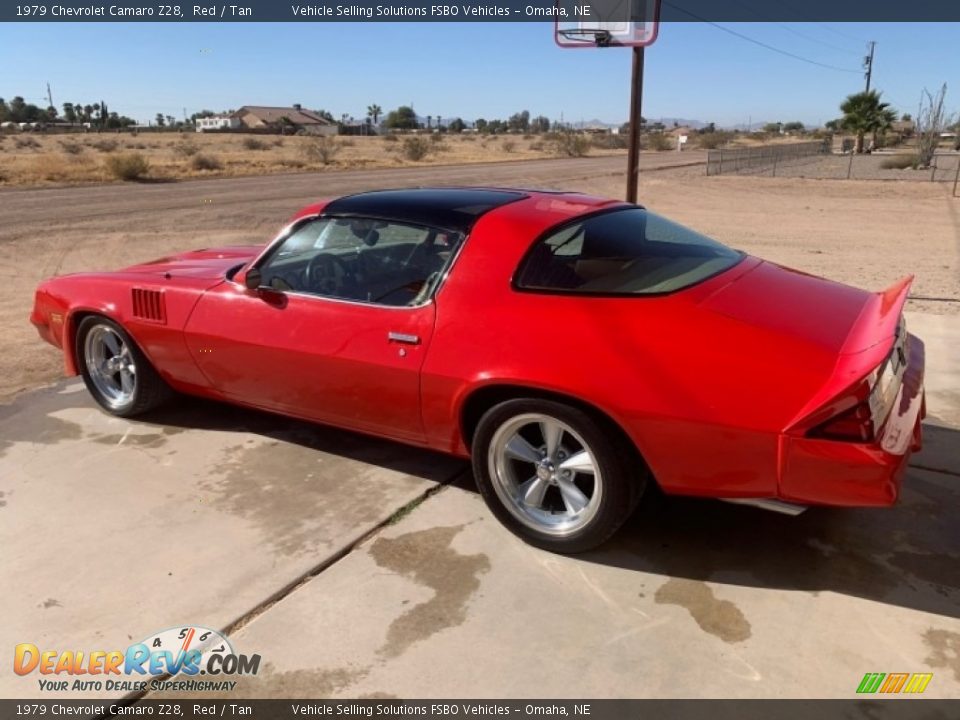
(722, 386)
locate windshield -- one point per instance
(361, 259)
(630, 251)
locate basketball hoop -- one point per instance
(586, 35)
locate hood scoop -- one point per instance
(149, 305)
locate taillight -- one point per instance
(872, 399)
(855, 424)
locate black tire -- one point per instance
(624, 476)
(149, 389)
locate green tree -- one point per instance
(864, 113)
(773, 127)
(4, 111)
(795, 126)
(69, 114)
(519, 122)
(540, 124)
(159, 120)
(480, 124)
(403, 118)
(456, 125)
(374, 111)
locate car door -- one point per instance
(304, 350)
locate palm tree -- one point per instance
(864, 113)
(374, 111)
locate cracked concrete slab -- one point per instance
(693, 599)
(113, 529)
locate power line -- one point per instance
(762, 44)
(818, 40)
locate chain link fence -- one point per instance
(766, 158)
(817, 160)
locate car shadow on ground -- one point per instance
(907, 555)
(199, 414)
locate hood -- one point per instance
(835, 317)
(209, 263)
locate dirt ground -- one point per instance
(35, 159)
(860, 232)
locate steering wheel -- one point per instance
(329, 275)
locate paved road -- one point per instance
(27, 207)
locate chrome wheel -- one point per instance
(110, 365)
(545, 474)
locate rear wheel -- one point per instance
(115, 371)
(553, 475)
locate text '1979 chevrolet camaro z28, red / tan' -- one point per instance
(577, 349)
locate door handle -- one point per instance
(404, 338)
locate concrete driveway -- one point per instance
(360, 568)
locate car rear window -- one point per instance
(630, 251)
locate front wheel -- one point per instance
(115, 371)
(554, 475)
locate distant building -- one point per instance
(257, 117)
(218, 122)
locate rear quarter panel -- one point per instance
(704, 397)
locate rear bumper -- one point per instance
(830, 472)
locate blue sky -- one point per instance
(472, 69)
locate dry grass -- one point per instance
(37, 160)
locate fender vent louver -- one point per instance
(149, 305)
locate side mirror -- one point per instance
(253, 279)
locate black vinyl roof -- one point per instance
(448, 208)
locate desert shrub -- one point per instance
(288, 163)
(321, 149)
(570, 144)
(128, 166)
(347, 142)
(609, 142)
(104, 145)
(185, 148)
(24, 143)
(205, 162)
(390, 138)
(278, 142)
(899, 162)
(416, 148)
(509, 146)
(536, 146)
(658, 141)
(468, 138)
(71, 147)
(436, 137)
(528, 136)
(252, 143)
(713, 140)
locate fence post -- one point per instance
(720, 172)
(850, 164)
(956, 177)
(933, 169)
(774, 164)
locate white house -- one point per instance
(218, 122)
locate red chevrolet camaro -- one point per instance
(577, 349)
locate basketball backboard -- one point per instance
(606, 23)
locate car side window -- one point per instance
(361, 259)
(624, 252)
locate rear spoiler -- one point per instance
(879, 318)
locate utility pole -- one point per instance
(49, 96)
(868, 63)
(636, 105)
